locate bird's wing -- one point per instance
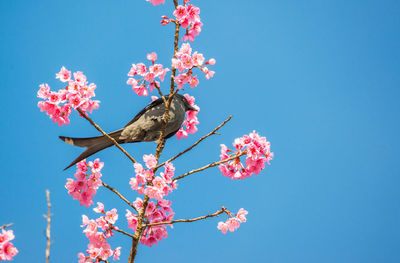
(148, 107)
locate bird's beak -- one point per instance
(192, 108)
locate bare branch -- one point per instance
(105, 134)
(188, 220)
(120, 196)
(196, 143)
(5, 226)
(209, 165)
(48, 219)
(123, 232)
(159, 92)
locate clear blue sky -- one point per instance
(319, 79)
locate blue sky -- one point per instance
(319, 79)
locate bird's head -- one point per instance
(186, 103)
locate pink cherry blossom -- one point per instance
(111, 216)
(181, 134)
(156, 187)
(156, 2)
(223, 227)
(78, 94)
(152, 57)
(117, 253)
(233, 222)
(188, 17)
(146, 76)
(98, 248)
(190, 122)
(150, 160)
(7, 249)
(86, 185)
(186, 62)
(64, 75)
(241, 215)
(257, 150)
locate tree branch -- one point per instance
(5, 226)
(120, 196)
(48, 219)
(196, 143)
(123, 232)
(105, 134)
(160, 147)
(188, 220)
(209, 165)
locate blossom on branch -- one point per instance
(7, 249)
(155, 212)
(154, 186)
(77, 94)
(147, 76)
(233, 222)
(98, 248)
(188, 17)
(87, 181)
(185, 61)
(257, 151)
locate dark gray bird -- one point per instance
(144, 127)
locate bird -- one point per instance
(146, 126)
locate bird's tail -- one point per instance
(92, 145)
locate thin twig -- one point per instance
(209, 165)
(188, 220)
(159, 92)
(120, 196)
(5, 226)
(123, 232)
(105, 134)
(48, 219)
(196, 143)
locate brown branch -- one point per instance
(48, 219)
(5, 226)
(120, 196)
(159, 92)
(188, 220)
(160, 146)
(133, 252)
(123, 232)
(105, 134)
(209, 165)
(196, 143)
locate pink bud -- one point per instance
(211, 62)
(164, 22)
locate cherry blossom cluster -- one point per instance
(190, 122)
(187, 16)
(98, 248)
(147, 76)
(154, 186)
(77, 94)
(7, 249)
(233, 222)
(185, 61)
(155, 212)
(257, 151)
(87, 181)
